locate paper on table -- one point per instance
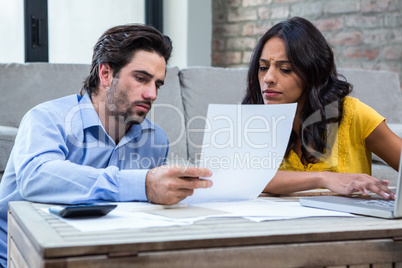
(243, 145)
(256, 210)
(136, 215)
(118, 219)
(260, 210)
(129, 215)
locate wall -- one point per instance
(365, 34)
(176, 28)
(199, 33)
(189, 24)
(76, 25)
(12, 31)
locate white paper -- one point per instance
(122, 220)
(243, 145)
(130, 215)
(260, 210)
(134, 215)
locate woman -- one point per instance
(333, 134)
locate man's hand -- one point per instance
(169, 185)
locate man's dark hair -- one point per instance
(117, 46)
(312, 60)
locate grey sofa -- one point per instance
(181, 103)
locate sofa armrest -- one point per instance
(8, 133)
(384, 172)
(7, 138)
(397, 129)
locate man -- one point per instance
(79, 149)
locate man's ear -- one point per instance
(105, 74)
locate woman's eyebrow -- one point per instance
(275, 62)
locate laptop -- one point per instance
(368, 206)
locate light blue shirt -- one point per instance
(62, 154)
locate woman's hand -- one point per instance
(286, 182)
(348, 183)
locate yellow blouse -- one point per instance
(349, 153)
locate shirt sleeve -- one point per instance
(368, 119)
(44, 175)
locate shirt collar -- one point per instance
(90, 118)
(136, 130)
(89, 115)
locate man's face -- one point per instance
(131, 94)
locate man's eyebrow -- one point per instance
(149, 75)
(144, 73)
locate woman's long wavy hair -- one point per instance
(312, 60)
(117, 46)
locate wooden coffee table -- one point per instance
(39, 239)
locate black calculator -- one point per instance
(82, 210)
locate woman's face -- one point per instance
(278, 82)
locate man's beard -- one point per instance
(132, 119)
(115, 98)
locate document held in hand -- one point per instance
(244, 146)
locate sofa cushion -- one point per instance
(24, 86)
(378, 89)
(204, 85)
(168, 112)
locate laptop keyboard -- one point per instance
(381, 203)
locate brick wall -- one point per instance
(364, 34)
